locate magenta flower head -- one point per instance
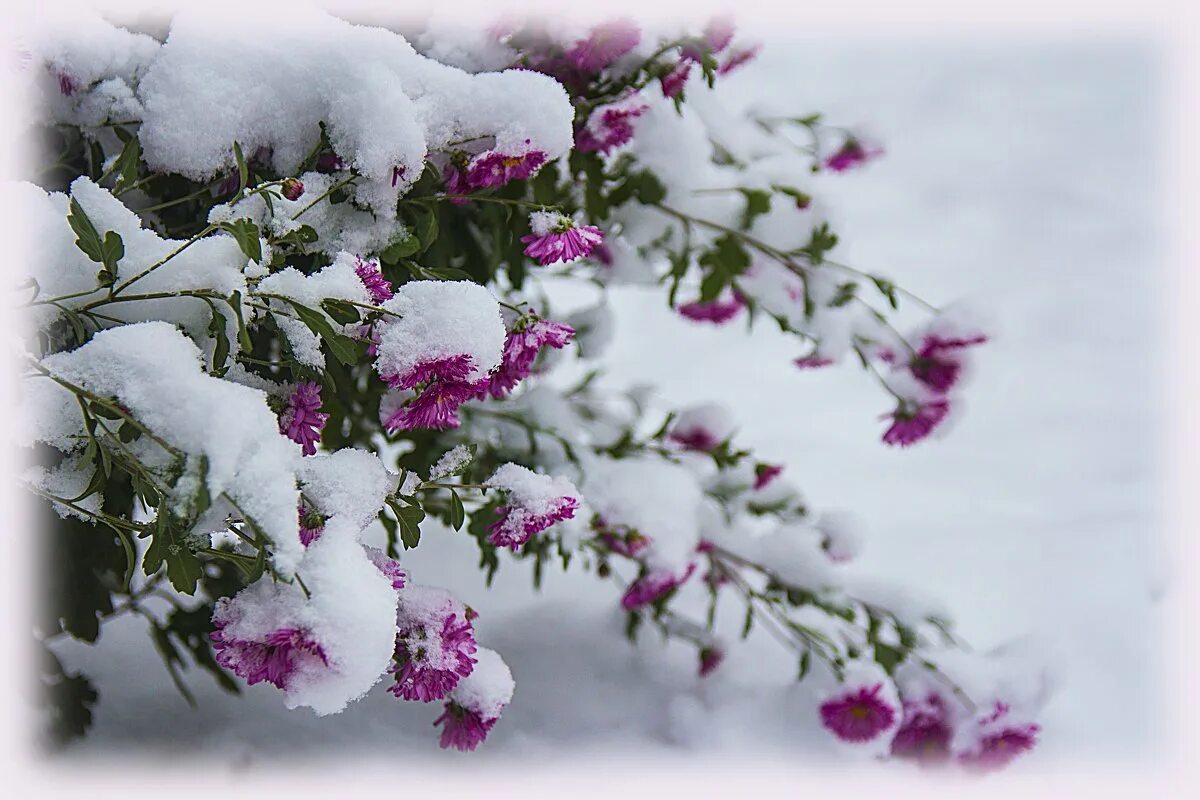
(655, 584)
(924, 734)
(476, 703)
(1000, 740)
(718, 312)
(273, 657)
(292, 189)
(557, 237)
(492, 169)
(624, 541)
(851, 154)
(858, 715)
(302, 420)
(938, 363)
(765, 473)
(371, 275)
(738, 58)
(812, 361)
(390, 567)
(710, 658)
(702, 428)
(913, 421)
(312, 523)
(610, 126)
(674, 81)
(528, 337)
(442, 385)
(604, 45)
(535, 502)
(455, 177)
(434, 644)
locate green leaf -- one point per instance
(235, 305)
(246, 234)
(340, 311)
(805, 663)
(407, 245)
(95, 484)
(758, 202)
(409, 518)
(243, 170)
(887, 289)
(748, 623)
(86, 237)
(343, 347)
(458, 514)
(845, 293)
(217, 329)
(126, 165)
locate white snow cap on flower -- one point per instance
(659, 499)
(155, 371)
(384, 114)
(842, 534)
(489, 687)
(709, 421)
(543, 223)
(350, 484)
(536, 493)
(440, 319)
(451, 462)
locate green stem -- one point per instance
(120, 287)
(326, 193)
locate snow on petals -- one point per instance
(302, 419)
(557, 237)
(861, 712)
(534, 503)
(435, 644)
(476, 703)
(521, 347)
(702, 427)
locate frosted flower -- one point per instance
(463, 729)
(654, 585)
(912, 424)
(610, 126)
(455, 178)
(812, 361)
(492, 169)
(628, 543)
(292, 189)
(765, 473)
(312, 523)
(434, 644)
(301, 420)
(67, 85)
(390, 567)
(858, 715)
(521, 348)
(273, 658)
(924, 733)
(702, 428)
(717, 312)
(710, 658)
(557, 238)
(606, 43)
(674, 81)
(936, 364)
(476, 703)
(535, 502)
(1000, 740)
(851, 154)
(435, 408)
(372, 278)
(738, 58)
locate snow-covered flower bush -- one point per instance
(283, 320)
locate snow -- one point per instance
(67, 480)
(350, 484)
(489, 687)
(440, 319)
(711, 421)
(533, 493)
(451, 462)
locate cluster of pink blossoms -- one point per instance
(528, 337)
(443, 385)
(610, 126)
(312, 523)
(534, 502)
(302, 420)
(653, 585)
(718, 311)
(435, 642)
(274, 658)
(556, 237)
(371, 275)
(936, 365)
(489, 170)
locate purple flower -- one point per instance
(556, 237)
(858, 715)
(609, 126)
(431, 655)
(312, 523)
(463, 729)
(370, 274)
(674, 81)
(718, 312)
(765, 473)
(455, 177)
(924, 733)
(738, 58)
(812, 361)
(625, 542)
(292, 189)
(606, 43)
(718, 33)
(936, 364)
(516, 523)
(330, 161)
(653, 585)
(1001, 740)
(275, 658)
(851, 154)
(710, 658)
(912, 422)
(496, 169)
(390, 567)
(435, 408)
(301, 420)
(521, 348)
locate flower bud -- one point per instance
(292, 189)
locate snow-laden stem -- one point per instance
(126, 284)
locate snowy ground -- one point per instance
(1020, 176)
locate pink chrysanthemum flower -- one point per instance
(492, 169)
(312, 523)
(710, 658)
(605, 44)
(812, 361)
(535, 502)
(463, 729)
(515, 524)
(434, 645)
(912, 422)
(390, 567)
(274, 658)
(610, 126)
(455, 177)
(718, 312)
(702, 428)
(924, 733)
(1000, 741)
(765, 473)
(653, 585)
(371, 275)
(445, 389)
(556, 237)
(301, 420)
(858, 715)
(521, 347)
(738, 58)
(292, 189)
(851, 154)
(625, 542)
(937, 363)
(674, 81)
